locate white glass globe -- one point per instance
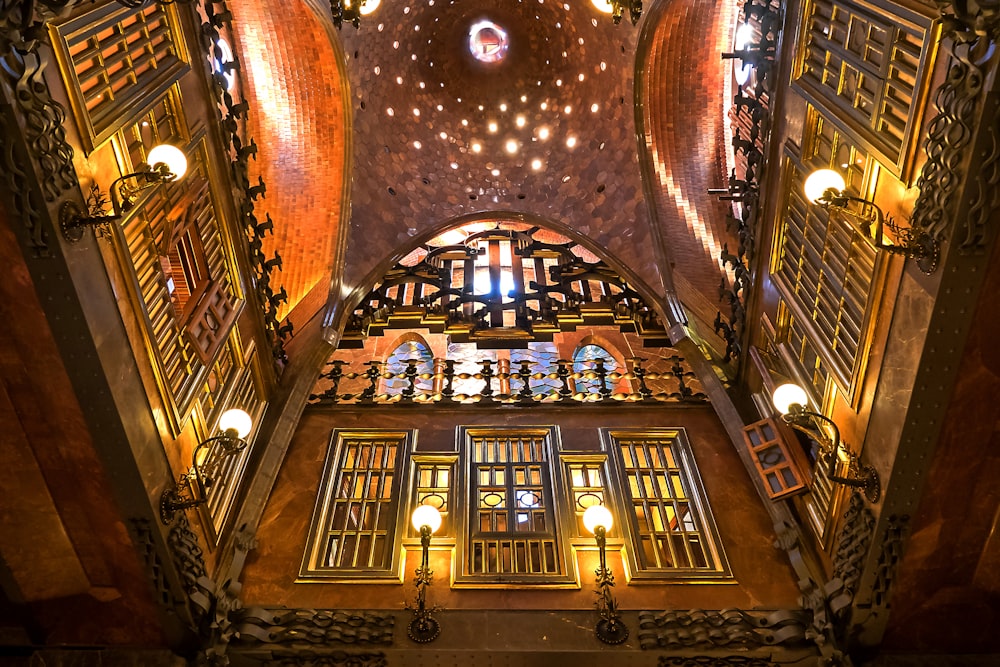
(603, 6)
(787, 395)
(820, 181)
(426, 515)
(369, 7)
(169, 155)
(238, 420)
(597, 515)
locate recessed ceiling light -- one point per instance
(511, 146)
(567, 110)
(389, 111)
(581, 77)
(443, 135)
(454, 165)
(558, 82)
(440, 107)
(495, 172)
(543, 133)
(503, 107)
(422, 85)
(594, 107)
(521, 121)
(536, 164)
(570, 142)
(477, 147)
(416, 112)
(604, 66)
(524, 98)
(465, 123)
(417, 145)
(544, 106)
(378, 70)
(399, 80)
(492, 127)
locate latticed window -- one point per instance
(512, 533)
(824, 272)
(865, 63)
(355, 527)
(585, 360)
(671, 527)
(117, 59)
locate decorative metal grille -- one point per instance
(502, 284)
(512, 522)
(865, 63)
(354, 527)
(672, 528)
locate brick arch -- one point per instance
(297, 90)
(681, 79)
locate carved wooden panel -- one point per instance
(865, 63)
(116, 61)
(774, 460)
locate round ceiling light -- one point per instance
(487, 42)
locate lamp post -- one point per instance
(610, 629)
(791, 400)
(206, 463)
(423, 627)
(164, 163)
(825, 187)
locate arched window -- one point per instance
(541, 358)
(396, 363)
(585, 359)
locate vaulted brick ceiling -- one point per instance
(423, 155)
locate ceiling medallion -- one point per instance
(488, 42)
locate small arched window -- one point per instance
(397, 362)
(584, 360)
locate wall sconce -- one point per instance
(617, 9)
(825, 187)
(423, 627)
(791, 400)
(610, 629)
(168, 164)
(351, 11)
(206, 464)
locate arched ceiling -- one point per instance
(418, 151)
(548, 131)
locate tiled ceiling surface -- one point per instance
(435, 138)
(298, 120)
(548, 131)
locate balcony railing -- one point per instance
(500, 385)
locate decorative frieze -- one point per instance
(729, 628)
(316, 627)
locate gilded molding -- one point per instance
(728, 628)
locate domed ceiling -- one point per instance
(545, 131)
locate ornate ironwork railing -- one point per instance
(501, 385)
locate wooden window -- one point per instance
(776, 462)
(666, 513)
(245, 391)
(824, 271)
(864, 62)
(512, 533)
(584, 362)
(355, 526)
(587, 484)
(433, 476)
(117, 61)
